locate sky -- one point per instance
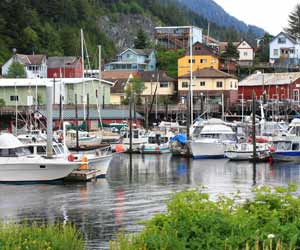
(271, 15)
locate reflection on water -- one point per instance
(133, 192)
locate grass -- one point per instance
(268, 221)
(40, 237)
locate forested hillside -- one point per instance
(52, 27)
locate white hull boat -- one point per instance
(205, 149)
(244, 151)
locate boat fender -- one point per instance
(71, 157)
(119, 148)
(272, 149)
(84, 161)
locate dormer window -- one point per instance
(198, 48)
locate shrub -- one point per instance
(270, 220)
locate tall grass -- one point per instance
(40, 237)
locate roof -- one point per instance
(143, 52)
(201, 49)
(30, 59)
(93, 114)
(119, 86)
(270, 79)
(290, 37)
(223, 45)
(118, 74)
(148, 76)
(209, 73)
(10, 82)
(63, 62)
(9, 141)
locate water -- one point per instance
(130, 195)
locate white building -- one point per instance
(35, 66)
(246, 51)
(284, 49)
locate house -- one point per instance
(25, 92)
(134, 59)
(157, 83)
(210, 84)
(177, 37)
(284, 49)
(278, 86)
(35, 66)
(245, 49)
(203, 57)
(120, 80)
(64, 67)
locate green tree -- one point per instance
(294, 22)
(134, 88)
(141, 41)
(167, 61)
(16, 70)
(231, 51)
(2, 103)
(262, 53)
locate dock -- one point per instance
(83, 175)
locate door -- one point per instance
(296, 95)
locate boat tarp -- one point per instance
(180, 138)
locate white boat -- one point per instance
(86, 140)
(285, 150)
(212, 140)
(18, 164)
(158, 143)
(32, 135)
(244, 151)
(139, 138)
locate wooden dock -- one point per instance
(83, 175)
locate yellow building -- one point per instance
(210, 84)
(203, 57)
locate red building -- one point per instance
(64, 67)
(279, 86)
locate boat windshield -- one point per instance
(283, 145)
(14, 152)
(157, 139)
(223, 137)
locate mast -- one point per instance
(99, 86)
(16, 115)
(191, 76)
(83, 85)
(49, 99)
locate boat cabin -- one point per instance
(286, 146)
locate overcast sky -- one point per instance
(271, 15)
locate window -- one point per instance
(275, 52)
(164, 85)
(291, 51)
(202, 84)
(14, 98)
(203, 60)
(245, 53)
(219, 84)
(185, 84)
(128, 55)
(193, 61)
(235, 85)
(231, 85)
(281, 40)
(213, 61)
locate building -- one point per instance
(279, 86)
(134, 60)
(64, 67)
(210, 84)
(35, 66)
(203, 57)
(284, 49)
(25, 92)
(157, 83)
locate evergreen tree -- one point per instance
(294, 22)
(262, 53)
(141, 40)
(231, 51)
(135, 87)
(16, 70)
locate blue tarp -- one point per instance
(180, 138)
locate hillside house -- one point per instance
(35, 66)
(64, 67)
(134, 60)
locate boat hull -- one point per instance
(148, 149)
(100, 163)
(238, 156)
(286, 156)
(207, 150)
(25, 171)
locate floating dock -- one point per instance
(83, 175)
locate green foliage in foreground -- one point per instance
(270, 220)
(40, 237)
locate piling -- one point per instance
(49, 99)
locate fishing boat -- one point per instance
(86, 140)
(139, 138)
(158, 143)
(285, 150)
(212, 140)
(18, 164)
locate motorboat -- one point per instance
(212, 140)
(285, 149)
(158, 143)
(18, 164)
(32, 135)
(86, 140)
(139, 138)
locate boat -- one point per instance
(32, 135)
(244, 151)
(285, 149)
(18, 164)
(139, 138)
(212, 140)
(86, 140)
(158, 143)
(179, 145)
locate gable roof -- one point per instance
(142, 52)
(291, 38)
(118, 74)
(30, 59)
(63, 62)
(245, 40)
(148, 76)
(200, 49)
(209, 73)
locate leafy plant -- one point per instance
(270, 220)
(16, 70)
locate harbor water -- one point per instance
(134, 190)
